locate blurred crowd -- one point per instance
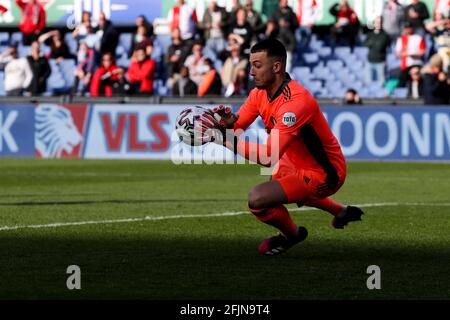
(211, 56)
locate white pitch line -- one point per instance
(208, 215)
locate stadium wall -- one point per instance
(145, 131)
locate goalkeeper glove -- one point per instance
(224, 116)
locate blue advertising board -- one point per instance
(146, 131)
(390, 132)
(17, 131)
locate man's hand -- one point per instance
(225, 117)
(207, 129)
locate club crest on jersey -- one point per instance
(289, 119)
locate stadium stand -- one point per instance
(326, 71)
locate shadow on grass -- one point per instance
(217, 268)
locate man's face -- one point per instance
(140, 55)
(106, 60)
(408, 31)
(262, 69)
(35, 50)
(197, 50)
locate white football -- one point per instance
(184, 124)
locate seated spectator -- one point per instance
(41, 71)
(271, 30)
(58, 48)
(196, 63)
(214, 25)
(33, 20)
(108, 79)
(243, 29)
(378, 43)
(346, 26)
(211, 83)
(232, 41)
(241, 85)
(84, 69)
(107, 35)
(142, 40)
(184, 86)
(440, 30)
(352, 97)
(415, 84)
(88, 35)
(176, 56)
(436, 88)
(410, 48)
(18, 74)
(233, 9)
(231, 66)
(141, 73)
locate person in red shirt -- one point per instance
(33, 20)
(108, 78)
(141, 72)
(346, 26)
(308, 162)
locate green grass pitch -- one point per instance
(406, 232)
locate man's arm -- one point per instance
(267, 154)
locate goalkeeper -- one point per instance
(311, 166)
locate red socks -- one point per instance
(279, 218)
(326, 204)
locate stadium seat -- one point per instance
(301, 73)
(67, 67)
(125, 41)
(400, 93)
(4, 38)
(314, 86)
(361, 52)
(71, 43)
(310, 58)
(164, 41)
(2, 84)
(321, 72)
(342, 52)
(56, 82)
(124, 61)
(335, 65)
(157, 53)
(324, 52)
(315, 44)
(23, 51)
(17, 37)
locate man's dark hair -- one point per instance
(273, 47)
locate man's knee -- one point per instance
(255, 199)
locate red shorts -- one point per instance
(302, 184)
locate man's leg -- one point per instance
(265, 202)
(342, 214)
(326, 204)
